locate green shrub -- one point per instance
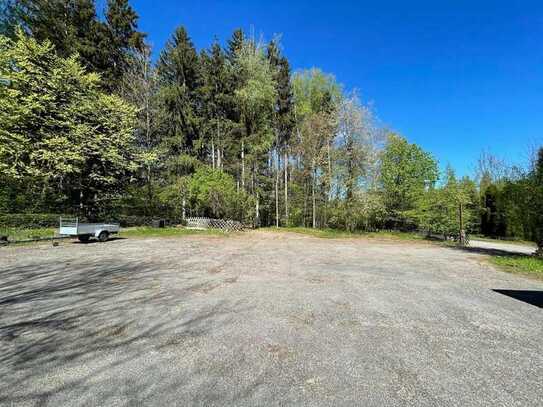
(134, 220)
(29, 220)
(214, 193)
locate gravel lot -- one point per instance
(264, 319)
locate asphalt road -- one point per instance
(266, 319)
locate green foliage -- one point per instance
(536, 201)
(73, 27)
(17, 234)
(120, 36)
(223, 132)
(493, 219)
(314, 91)
(168, 232)
(284, 109)
(56, 127)
(178, 76)
(107, 145)
(218, 107)
(441, 210)
(366, 211)
(528, 265)
(213, 193)
(37, 101)
(512, 206)
(29, 220)
(406, 172)
(8, 17)
(173, 195)
(257, 92)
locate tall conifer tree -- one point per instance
(179, 77)
(283, 121)
(121, 36)
(71, 26)
(8, 17)
(217, 93)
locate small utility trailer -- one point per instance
(84, 231)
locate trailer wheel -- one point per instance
(83, 238)
(103, 236)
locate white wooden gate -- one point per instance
(208, 223)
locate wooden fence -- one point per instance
(208, 223)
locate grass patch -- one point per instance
(323, 233)
(15, 234)
(146, 231)
(342, 234)
(397, 235)
(527, 265)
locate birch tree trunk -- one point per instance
(277, 189)
(314, 223)
(285, 164)
(212, 154)
(242, 165)
(219, 163)
(305, 204)
(257, 212)
(329, 172)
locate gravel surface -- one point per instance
(265, 319)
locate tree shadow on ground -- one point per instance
(488, 251)
(93, 240)
(55, 316)
(532, 297)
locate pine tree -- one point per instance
(283, 121)
(179, 78)
(8, 17)
(71, 26)
(121, 36)
(216, 97)
(235, 44)
(234, 82)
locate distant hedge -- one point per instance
(133, 220)
(48, 220)
(29, 220)
(136, 220)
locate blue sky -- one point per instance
(455, 77)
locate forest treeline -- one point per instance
(91, 125)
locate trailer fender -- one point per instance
(98, 231)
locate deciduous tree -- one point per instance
(56, 127)
(406, 172)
